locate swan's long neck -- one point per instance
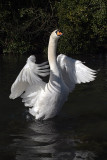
(52, 53)
(54, 83)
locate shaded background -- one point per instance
(26, 25)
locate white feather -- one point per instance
(28, 76)
(46, 99)
(74, 71)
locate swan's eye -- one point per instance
(58, 33)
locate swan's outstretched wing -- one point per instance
(74, 71)
(29, 76)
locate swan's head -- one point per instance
(56, 34)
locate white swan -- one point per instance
(46, 99)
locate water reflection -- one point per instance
(42, 140)
(47, 140)
(84, 155)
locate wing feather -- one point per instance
(74, 71)
(29, 76)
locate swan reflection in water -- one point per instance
(48, 140)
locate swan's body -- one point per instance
(46, 99)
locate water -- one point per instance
(78, 133)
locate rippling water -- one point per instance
(78, 133)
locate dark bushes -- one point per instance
(25, 26)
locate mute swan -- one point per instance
(46, 99)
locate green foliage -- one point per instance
(22, 28)
(83, 23)
(25, 25)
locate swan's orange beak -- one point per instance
(59, 33)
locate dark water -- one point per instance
(78, 133)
